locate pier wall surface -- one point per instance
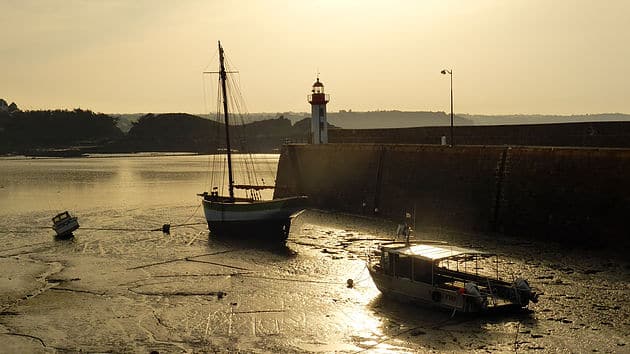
(592, 134)
(570, 195)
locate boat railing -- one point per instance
(482, 280)
(492, 295)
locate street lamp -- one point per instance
(450, 72)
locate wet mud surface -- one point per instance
(140, 291)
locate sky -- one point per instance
(507, 57)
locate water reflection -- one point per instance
(114, 182)
(429, 328)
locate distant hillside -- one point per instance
(411, 119)
(8, 108)
(71, 133)
(342, 119)
(191, 133)
(27, 132)
(479, 119)
(393, 119)
(76, 132)
(126, 120)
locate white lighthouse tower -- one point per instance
(319, 125)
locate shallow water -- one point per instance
(141, 290)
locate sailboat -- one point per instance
(249, 216)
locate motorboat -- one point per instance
(446, 276)
(64, 224)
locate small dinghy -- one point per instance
(64, 224)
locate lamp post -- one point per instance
(450, 72)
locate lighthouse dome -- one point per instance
(317, 95)
(318, 87)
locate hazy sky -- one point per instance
(552, 57)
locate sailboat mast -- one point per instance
(223, 77)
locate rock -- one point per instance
(557, 281)
(592, 271)
(550, 276)
(417, 332)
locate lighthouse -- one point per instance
(319, 125)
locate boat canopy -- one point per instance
(432, 252)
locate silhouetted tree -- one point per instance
(59, 128)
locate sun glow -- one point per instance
(144, 56)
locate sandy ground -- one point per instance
(138, 291)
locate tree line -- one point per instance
(36, 132)
(22, 131)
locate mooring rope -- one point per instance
(170, 226)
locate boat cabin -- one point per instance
(61, 217)
(428, 263)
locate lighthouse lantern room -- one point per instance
(319, 125)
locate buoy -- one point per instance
(350, 283)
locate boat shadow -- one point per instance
(439, 328)
(276, 248)
(69, 237)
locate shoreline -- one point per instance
(119, 154)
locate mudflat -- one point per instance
(145, 291)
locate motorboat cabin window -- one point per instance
(386, 263)
(402, 264)
(422, 270)
(61, 217)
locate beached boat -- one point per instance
(446, 276)
(250, 216)
(64, 224)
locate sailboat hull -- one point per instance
(270, 219)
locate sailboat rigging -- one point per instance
(250, 216)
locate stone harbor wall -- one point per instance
(592, 134)
(571, 195)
